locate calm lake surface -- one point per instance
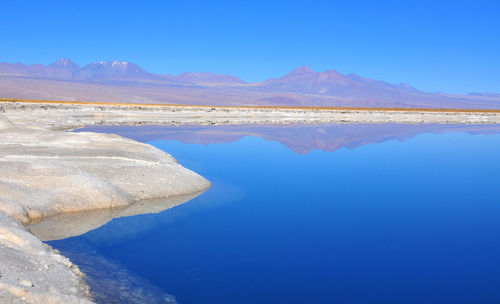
(310, 214)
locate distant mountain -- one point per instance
(208, 78)
(486, 94)
(56, 70)
(332, 83)
(65, 63)
(108, 71)
(114, 70)
(305, 79)
(127, 82)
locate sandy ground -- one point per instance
(48, 173)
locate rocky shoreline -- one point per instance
(46, 172)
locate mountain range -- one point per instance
(106, 72)
(122, 81)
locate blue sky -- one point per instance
(450, 46)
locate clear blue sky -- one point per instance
(450, 46)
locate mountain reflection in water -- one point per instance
(300, 138)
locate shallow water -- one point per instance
(311, 214)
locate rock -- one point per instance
(4, 122)
(49, 173)
(34, 273)
(52, 172)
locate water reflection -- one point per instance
(73, 224)
(123, 286)
(82, 235)
(110, 281)
(300, 138)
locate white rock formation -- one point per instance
(46, 173)
(32, 272)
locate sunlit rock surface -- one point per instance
(31, 272)
(46, 173)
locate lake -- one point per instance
(310, 214)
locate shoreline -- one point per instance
(70, 115)
(379, 109)
(47, 173)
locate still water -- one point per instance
(311, 214)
